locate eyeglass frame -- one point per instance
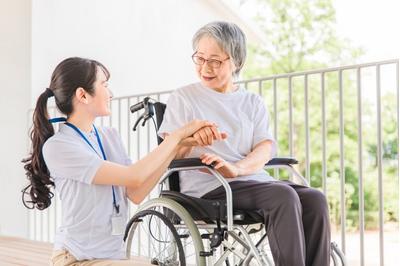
(208, 61)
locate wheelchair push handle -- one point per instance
(136, 107)
(148, 107)
(140, 105)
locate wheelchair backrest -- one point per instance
(173, 179)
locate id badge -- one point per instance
(118, 225)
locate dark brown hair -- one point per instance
(68, 76)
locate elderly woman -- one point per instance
(296, 217)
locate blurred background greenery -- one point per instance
(301, 35)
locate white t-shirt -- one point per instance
(241, 114)
(87, 208)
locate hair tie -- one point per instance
(57, 120)
(49, 93)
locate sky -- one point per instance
(373, 25)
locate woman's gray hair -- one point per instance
(229, 37)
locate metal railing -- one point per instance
(304, 106)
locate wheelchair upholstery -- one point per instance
(211, 210)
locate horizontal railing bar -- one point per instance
(322, 70)
(142, 94)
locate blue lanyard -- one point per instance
(116, 206)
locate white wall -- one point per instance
(15, 80)
(145, 44)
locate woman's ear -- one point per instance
(81, 95)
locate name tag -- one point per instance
(118, 225)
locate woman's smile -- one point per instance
(206, 78)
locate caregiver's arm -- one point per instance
(134, 175)
(136, 195)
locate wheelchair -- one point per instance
(184, 230)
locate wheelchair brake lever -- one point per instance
(145, 120)
(137, 122)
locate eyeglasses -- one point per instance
(214, 63)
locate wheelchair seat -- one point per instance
(210, 211)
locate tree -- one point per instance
(299, 35)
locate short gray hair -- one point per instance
(229, 37)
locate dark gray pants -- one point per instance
(296, 219)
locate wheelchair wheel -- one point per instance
(163, 244)
(182, 222)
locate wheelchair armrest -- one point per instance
(282, 161)
(187, 162)
(196, 164)
(286, 163)
(193, 162)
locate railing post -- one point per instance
(379, 161)
(360, 167)
(342, 169)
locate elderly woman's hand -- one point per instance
(207, 135)
(225, 168)
(199, 133)
(192, 127)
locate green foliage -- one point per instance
(300, 35)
